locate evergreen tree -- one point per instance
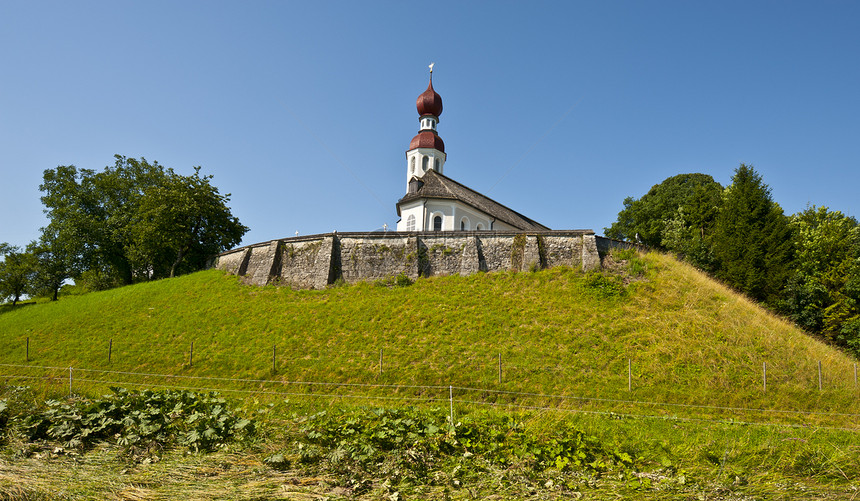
(752, 240)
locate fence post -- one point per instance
(28, 348)
(500, 368)
(819, 375)
(451, 403)
(191, 356)
(629, 374)
(70, 382)
(764, 375)
(110, 349)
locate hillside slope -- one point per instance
(685, 339)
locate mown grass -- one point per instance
(696, 404)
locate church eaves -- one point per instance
(433, 185)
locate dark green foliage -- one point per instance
(605, 285)
(752, 241)
(414, 443)
(399, 280)
(182, 222)
(134, 221)
(823, 295)
(691, 200)
(4, 416)
(16, 272)
(52, 266)
(140, 420)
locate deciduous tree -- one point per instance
(135, 220)
(16, 272)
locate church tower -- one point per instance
(426, 150)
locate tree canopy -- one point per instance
(134, 221)
(16, 272)
(692, 197)
(806, 266)
(752, 241)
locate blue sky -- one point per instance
(559, 110)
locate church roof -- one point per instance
(427, 139)
(435, 185)
(429, 102)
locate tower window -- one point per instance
(412, 167)
(424, 161)
(437, 164)
(410, 223)
(437, 223)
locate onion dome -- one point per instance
(428, 139)
(429, 102)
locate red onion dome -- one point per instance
(427, 139)
(429, 102)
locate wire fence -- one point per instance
(397, 365)
(455, 398)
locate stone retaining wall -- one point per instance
(315, 261)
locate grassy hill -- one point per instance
(685, 338)
(565, 340)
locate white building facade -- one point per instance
(435, 202)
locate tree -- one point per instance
(16, 272)
(752, 240)
(90, 212)
(183, 221)
(676, 215)
(52, 267)
(823, 294)
(109, 227)
(697, 195)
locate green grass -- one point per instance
(565, 338)
(688, 340)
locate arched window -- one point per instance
(437, 223)
(464, 224)
(424, 161)
(479, 227)
(412, 167)
(437, 165)
(410, 223)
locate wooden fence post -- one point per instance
(451, 403)
(819, 375)
(629, 374)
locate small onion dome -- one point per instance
(429, 102)
(427, 139)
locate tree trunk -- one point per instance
(179, 255)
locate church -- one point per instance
(435, 202)
(445, 228)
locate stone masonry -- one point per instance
(315, 261)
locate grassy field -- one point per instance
(654, 359)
